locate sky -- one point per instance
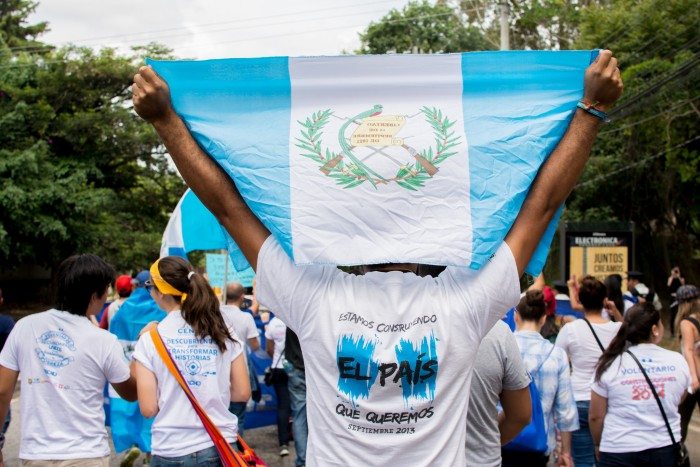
(201, 29)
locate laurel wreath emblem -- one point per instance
(349, 174)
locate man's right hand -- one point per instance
(602, 81)
(151, 96)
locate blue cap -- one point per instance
(142, 277)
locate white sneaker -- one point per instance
(284, 451)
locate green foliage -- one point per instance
(79, 171)
(533, 24)
(646, 166)
(14, 30)
(421, 28)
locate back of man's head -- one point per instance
(78, 278)
(234, 293)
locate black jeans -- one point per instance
(659, 457)
(284, 410)
(686, 410)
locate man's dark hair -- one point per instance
(592, 293)
(78, 278)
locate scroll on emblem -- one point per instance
(378, 131)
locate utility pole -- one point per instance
(505, 32)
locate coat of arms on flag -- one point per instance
(369, 134)
(375, 159)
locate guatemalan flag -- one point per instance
(374, 159)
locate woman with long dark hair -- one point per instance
(584, 340)
(625, 419)
(209, 358)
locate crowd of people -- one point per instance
(404, 365)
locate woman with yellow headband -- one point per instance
(209, 358)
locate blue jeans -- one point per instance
(297, 396)
(659, 457)
(238, 409)
(205, 458)
(582, 449)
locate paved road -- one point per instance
(264, 441)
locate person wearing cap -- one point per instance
(638, 292)
(130, 430)
(687, 325)
(123, 286)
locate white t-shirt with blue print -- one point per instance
(64, 362)
(388, 356)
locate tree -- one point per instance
(421, 28)
(79, 171)
(533, 24)
(14, 32)
(646, 167)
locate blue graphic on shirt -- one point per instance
(419, 380)
(357, 369)
(414, 369)
(52, 351)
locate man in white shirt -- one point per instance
(388, 355)
(246, 331)
(65, 363)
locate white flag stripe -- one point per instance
(396, 223)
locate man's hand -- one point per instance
(602, 82)
(151, 96)
(565, 460)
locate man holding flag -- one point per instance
(388, 354)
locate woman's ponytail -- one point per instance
(199, 305)
(635, 329)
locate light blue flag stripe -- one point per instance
(258, 160)
(517, 105)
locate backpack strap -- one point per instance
(229, 457)
(545, 359)
(600, 344)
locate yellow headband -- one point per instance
(162, 285)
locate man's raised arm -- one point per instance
(204, 176)
(558, 175)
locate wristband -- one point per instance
(590, 108)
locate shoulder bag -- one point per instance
(275, 375)
(682, 459)
(228, 455)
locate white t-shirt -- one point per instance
(578, 342)
(388, 356)
(276, 330)
(242, 322)
(65, 362)
(634, 422)
(177, 430)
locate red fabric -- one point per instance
(550, 302)
(123, 284)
